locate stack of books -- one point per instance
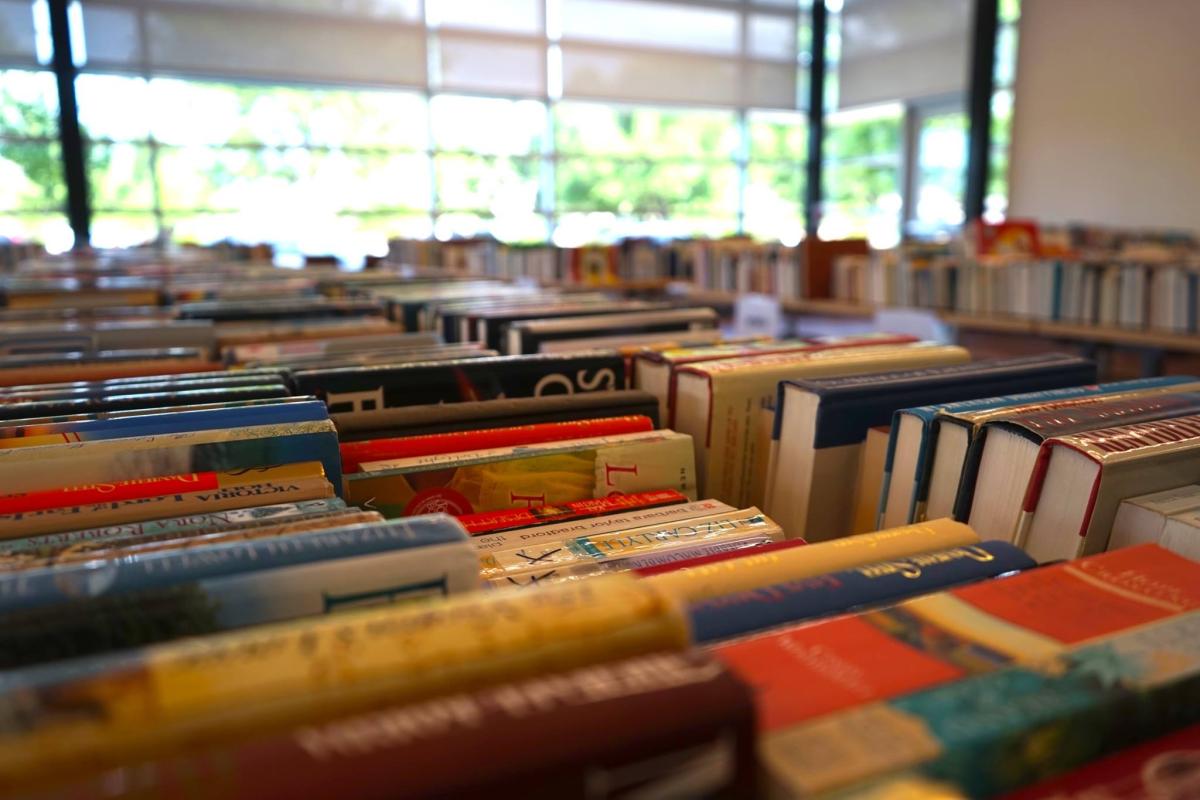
(408, 536)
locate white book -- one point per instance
(1181, 534)
(1141, 520)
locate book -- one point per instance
(718, 403)
(513, 518)
(217, 689)
(1080, 479)
(135, 399)
(820, 426)
(665, 725)
(208, 584)
(1163, 767)
(281, 351)
(598, 331)
(533, 475)
(808, 671)
(489, 324)
(290, 483)
(49, 466)
(974, 733)
(869, 482)
(741, 613)
(1140, 520)
(930, 444)
(389, 386)
(704, 556)
(52, 368)
(754, 571)
(1181, 534)
(622, 521)
(593, 553)
(183, 524)
(354, 454)
(498, 413)
(1002, 455)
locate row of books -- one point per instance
(415, 567)
(1115, 292)
(730, 265)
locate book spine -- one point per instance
(354, 454)
(740, 613)
(1098, 697)
(214, 689)
(702, 559)
(279, 488)
(180, 525)
(754, 571)
(496, 521)
(40, 587)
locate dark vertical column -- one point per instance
(813, 195)
(78, 211)
(983, 64)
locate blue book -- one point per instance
(917, 433)
(815, 487)
(741, 613)
(91, 607)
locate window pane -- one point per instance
(709, 30)
(773, 36)
(580, 228)
(862, 199)
(50, 230)
(290, 181)
(940, 173)
(774, 201)
(190, 112)
(17, 34)
(123, 230)
(1010, 10)
(499, 186)
(1006, 55)
(405, 10)
(874, 131)
(114, 107)
(119, 177)
(28, 104)
(778, 136)
(31, 176)
(517, 227)
(511, 16)
(488, 125)
(647, 189)
(592, 128)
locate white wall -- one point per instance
(1106, 124)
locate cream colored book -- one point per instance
(1142, 519)
(718, 403)
(870, 479)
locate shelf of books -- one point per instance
(418, 533)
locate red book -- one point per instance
(806, 671)
(354, 454)
(512, 518)
(1167, 768)
(665, 725)
(700, 561)
(90, 493)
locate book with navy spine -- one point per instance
(727, 616)
(822, 423)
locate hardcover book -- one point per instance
(1141, 520)
(512, 518)
(534, 475)
(595, 331)
(821, 424)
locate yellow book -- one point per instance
(765, 569)
(183, 694)
(720, 403)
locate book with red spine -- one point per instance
(354, 454)
(1079, 481)
(513, 518)
(116, 491)
(677, 725)
(1165, 767)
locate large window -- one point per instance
(525, 119)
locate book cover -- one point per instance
(741, 613)
(290, 483)
(581, 332)
(1080, 479)
(754, 571)
(821, 423)
(994, 732)
(513, 518)
(354, 454)
(620, 521)
(906, 486)
(375, 387)
(535, 475)
(718, 404)
(214, 689)
(804, 672)
(663, 725)
(498, 413)
(135, 399)
(716, 555)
